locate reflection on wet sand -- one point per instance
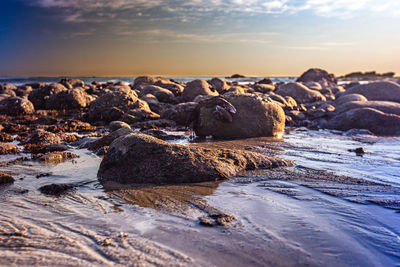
(171, 198)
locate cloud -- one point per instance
(195, 8)
(322, 46)
(171, 36)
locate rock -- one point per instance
(162, 95)
(376, 121)
(23, 90)
(141, 113)
(300, 93)
(75, 98)
(6, 178)
(236, 76)
(384, 106)
(154, 124)
(138, 158)
(39, 96)
(150, 99)
(337, 89)
(179, 113)
(4, 137)
(57, 157)
(174, 87)
(115, 125)
(108, 139)
(8, 148)
(286, 102)
(237, 90)
(317, 75)
(72, 83)
(206, 221)
(142, 80)
(112, 105)
(56, 189)
(238, 116)
(220, 85)
(36, 149)
(197, 87)
(163, 135)
(8, 89)
(14, 106)
(263, 88)
(42, 137)
(297, 115)
(360, 151)
(382, 91)
(265, 81)
(350, 98)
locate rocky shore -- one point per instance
(140, 133)
(41, 120)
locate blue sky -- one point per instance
(197, 37)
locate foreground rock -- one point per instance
(238, 116)
(138, 158)
(5, 178)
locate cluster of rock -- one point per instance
(44, 114)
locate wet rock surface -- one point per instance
(6, 178)
(238, 116)
(139, 158)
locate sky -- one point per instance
(197, 37)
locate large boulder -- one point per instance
(40, 95)
(238, 116)
(196, 88)
(317, 75)
(300, 93)
(75, 98)
(382, 90)
(112, 105)
(384, 106)
(138, 158)
(376, 121)
(14, 106)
